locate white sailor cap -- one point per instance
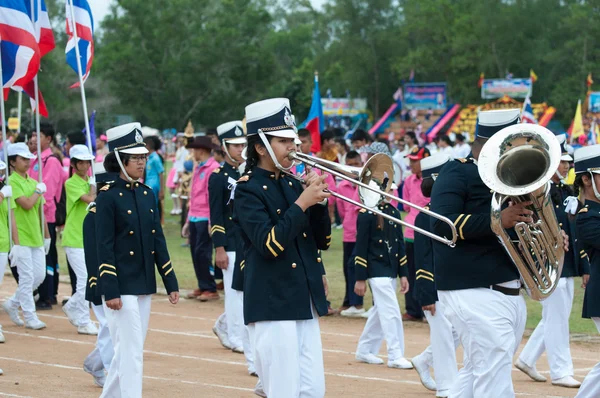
(564, 156)
(587, 159)
(431, 165)
(490, 122)
(127, 138)
(272, 117)
(231, 133)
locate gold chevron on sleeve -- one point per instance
(422, 271)
(166, 264)
(107, 272)
(458, 219)
(422, 276)
(107, 266)
(217, 228)
(460, 229)
(275, 240)
(268, 244)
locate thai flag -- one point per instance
(84, 27)
(315, 122)
(19, 47)
(43, 32)
(527, 112)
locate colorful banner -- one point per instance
(344, 106)
(424, 96)
(498, 88)
(594, 102)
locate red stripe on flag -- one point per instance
(313, 127)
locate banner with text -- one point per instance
(344, 106)
(424, 96)
(498, 88)
(594, 104)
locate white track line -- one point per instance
(79, 369)
(5, 394)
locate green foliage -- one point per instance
(165, 63)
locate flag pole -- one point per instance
(5, 153)
(19, 110)
(81, 87)
(37, 117)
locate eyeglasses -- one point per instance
(139, 158)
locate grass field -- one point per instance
(332, 259)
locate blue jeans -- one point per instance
(201, 248)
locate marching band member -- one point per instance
(81, 191)
(97, 363)
(552, 333)
(587, 181)
(441, 354)
(130, 243)
(380, 259)
(477, 282)
(223, 231)
(282, 226)
(30, 255)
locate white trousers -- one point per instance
(490, 326)
(441, 353)
(32, 271)
(99, 359)
(385, 322)
(128, 327)
(77, 305)
(3, 262)
(590, 388)
(289, 358)
(233, 317)
(552, 333)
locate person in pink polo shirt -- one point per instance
(411, 192)
(54, 177)
(197, 224)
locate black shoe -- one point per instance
(43, 306)
(65, 301)
(54, 301)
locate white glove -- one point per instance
(47, 245)
(41, 187)
(92, 181)
(6, 191)
(17, 252)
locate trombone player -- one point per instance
(477, 281)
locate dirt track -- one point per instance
(184, 359)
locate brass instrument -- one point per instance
(517, 163)
(374, 180)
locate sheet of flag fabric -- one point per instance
(84, 27)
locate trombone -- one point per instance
(375, 180)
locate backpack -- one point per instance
(61, 205)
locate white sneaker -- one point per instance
(13, 313)
(400, 363)
(369, 358)
(422, 369)
(35, 324)
(442, 394)
(2, 339)
(1, 372)
(70, 316)
(258, 390)
(89, 329)
(567, 381)
(529, 371)
(239, 350)
(99, 377)
(222, 338)
(367, 314)
(352, 312)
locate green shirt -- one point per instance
(75, 188)
(4, 231)
(28, 221)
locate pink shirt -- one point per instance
(199, 205)
(54, 177)
(412, 193)
(347, 211)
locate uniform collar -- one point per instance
(592, 205)
(258, 172)
(229, 168)
(126, 184)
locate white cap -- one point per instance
(232, 132)
(297, 141)
(497, 117)
(272, 116)
(587, 158)
(80, 152)
(2, 165)
(20, 149)
(127, 138)
(436, 160)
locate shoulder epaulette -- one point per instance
(108, 185)
(217, 170)
(583, 210)
(92, 210)
(462, 160)
(144, 185)
(363, 210)
(244, 178)
(426, 207)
